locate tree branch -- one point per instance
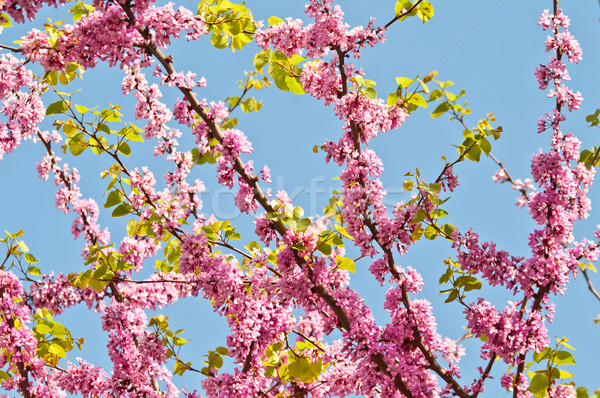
(9, 48)
(590, 284)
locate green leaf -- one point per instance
(294, 85)
(441, 109)
(121, 210)
(22, 246)
(42, 328)
(324, 248)
(77, 147)
(402, 4)
(219, 41)
(425, 11)
(539, 385)
(564, 375)
(180, 368)
(438, 213)
(474, 153)
(392, 99)
(343, 231)
(418, 100)
(30, 258)
(447, 275)
(5, 20)
(261, 59)
(132, 135)
(452, 296)
(345, 263)
(277, 71)
(114, 198)
(253, 245)
(131, 227)
(563, 358)
(124, 149)
(82, 109)
(435, 94)
(593, 118)
(472, 284)
(404, 81)
(370, 93)
(33, 270)
(274, 20)
(430, 232)
(296, 59)
(298, 367)
(485, 146)
(540, 356)
(57, 350)
(419, 216)
(57, 108)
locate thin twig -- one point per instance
(9, 48)
(590, 285)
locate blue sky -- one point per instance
(488, 48)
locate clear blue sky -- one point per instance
(489, 48)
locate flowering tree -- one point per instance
(284, 296)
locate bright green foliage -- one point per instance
(590, 157)
(548, 377)
(18, 250)
(54, 340)
(345, 263)
(365, 86)
(303, 361)
(582, 392)
(475, 141)
(171, 255)
(252, 81)
(171, 341)
(408, 8)
(427, 221)
(220, 231)
(72, 72)
(81, 10)
(231, 24)
(82, 134)
(593, 118)
(284, 71)
(461, 281)
(410, 92)
(5, 21)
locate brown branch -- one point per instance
(305, 337)
(508, 177)
(248, 360)
(590, 284)
(9, 48)
(397, 17)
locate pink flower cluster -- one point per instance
(508, 333)
(110, 35)
(18, 10)
(322, 80)
(327, 32)
(18, 344)
(21, 104)
(58, 294)
(138, 356)
(68, 199)
(371, 116)
(256, 320)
